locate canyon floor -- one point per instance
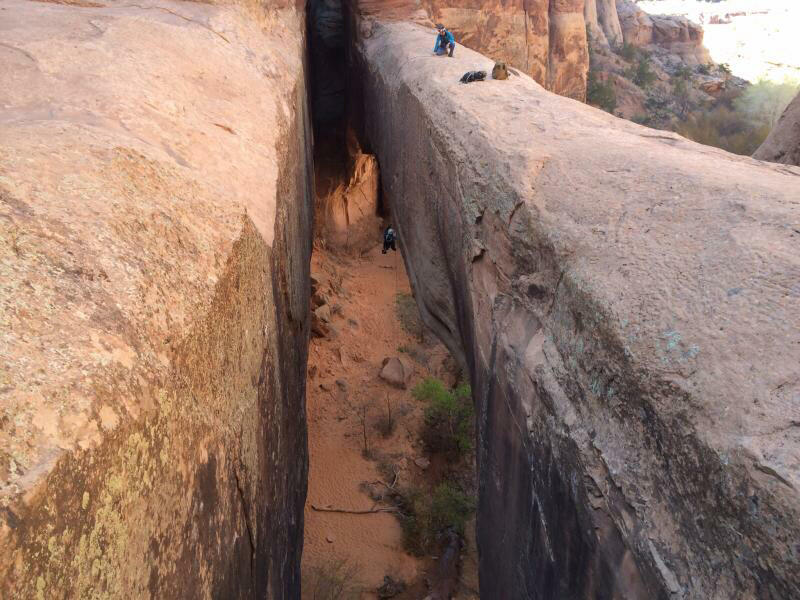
(343, 378)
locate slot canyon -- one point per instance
(199, 330)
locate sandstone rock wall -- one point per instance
(626, 301)
(603, 21)
(783, 143)
(677, 35)
(155, 213)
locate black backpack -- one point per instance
(471, 76)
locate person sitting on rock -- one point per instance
(444, 41)
(389, 238)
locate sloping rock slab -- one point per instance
(627, 303)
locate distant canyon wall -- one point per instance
(155, 221)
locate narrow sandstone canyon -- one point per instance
(625, 301)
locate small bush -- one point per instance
(424, 516)
(704, 69)
(333, 580)
(725, 128)
(642, 75)
(628, 51)
(450, 508)
(601, 93)
(387, 422)
(682, 95)
(448, 426)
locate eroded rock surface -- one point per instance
(155, 238)
(627, 304)
(783, 143)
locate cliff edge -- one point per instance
(627, 304)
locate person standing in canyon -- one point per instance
(444, 41)
(389, 238)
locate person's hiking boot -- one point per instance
(452, 48)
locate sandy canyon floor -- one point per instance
(344, 378)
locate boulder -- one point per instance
(396, 371)
(323, 313)
(319, 328)
(318, 299)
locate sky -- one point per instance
(763, 44)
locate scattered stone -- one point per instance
(324, 313)
(329, 538)
(318, 299)
(342, 384)
(396, 372)
(422, 462)
(391, 587)
(326, 387)
(318, 327)
(312, 371)
(353, 323)
(336, 309)
(316, 282)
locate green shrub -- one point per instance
(765, 101)
(448, 425)
(601, 93)
(725, 128)
(424, 516)
(628, 51)
(704, 69)
(682, 95)
(450, 507)
(642, 75)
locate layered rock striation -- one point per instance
(626, 302)
(783, 143)
(155, 227)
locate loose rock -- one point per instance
(396, 372)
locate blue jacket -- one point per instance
(443, 39)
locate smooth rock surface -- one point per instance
(783, 143)
(627, 304)
(155, 209)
